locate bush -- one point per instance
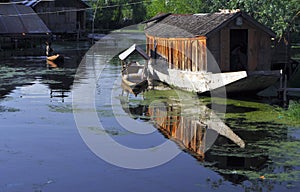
(293, 111)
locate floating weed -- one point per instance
(105, 113)
(61, 109)
(251, 111)
(8, 109)
(111, 131)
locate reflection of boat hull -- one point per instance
(134, 87)
(56, 58)
(201, 82)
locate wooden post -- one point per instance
(285, 99)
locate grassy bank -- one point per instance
(293, 112)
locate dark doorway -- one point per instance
(238, 49)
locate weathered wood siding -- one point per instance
(180, 53)
(214, 52)
(258, 50)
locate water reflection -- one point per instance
(197, 130)
(19, 71)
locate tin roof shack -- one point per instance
(61, 16)
(228, 41)
(20, 27)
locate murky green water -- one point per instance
(42, 148)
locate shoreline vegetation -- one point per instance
(293, 112)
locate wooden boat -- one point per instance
(51, 64)
(203, 82)
(134, 77)
(56, 58)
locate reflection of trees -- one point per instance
(23, 70)
(12, 77)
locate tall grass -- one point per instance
(293, 111)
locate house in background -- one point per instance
(63, 17)
(20, 27)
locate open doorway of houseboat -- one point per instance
(238, 49)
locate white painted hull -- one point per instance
(201, 82)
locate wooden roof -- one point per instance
(187, 26)
(134, 48)
(20, 20)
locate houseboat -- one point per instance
(207, 52)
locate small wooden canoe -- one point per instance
(134, 78)
(53, 57)
(134, 83)
(57, 58)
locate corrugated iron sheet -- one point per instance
(20, 19)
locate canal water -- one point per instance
(72, 127)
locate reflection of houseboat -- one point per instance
(133, 73)
(193, 126)
(198, 131)
(204, 52)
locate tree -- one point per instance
(174, 6)
(113, 14)
(280, 16)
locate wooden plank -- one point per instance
(199, 56)
(264, 53)
(196, 60)
(175, 55)
(214, 46)
(182, 59)
(190, 56)
(186, 55)
(203, 58)
(252, 50)
(224, 50)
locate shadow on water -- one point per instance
(269, 153)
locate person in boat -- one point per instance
(52, 56)
(49, 50)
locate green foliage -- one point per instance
(280, 16)
(113, 14)
(293, 112)
(174, 6)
